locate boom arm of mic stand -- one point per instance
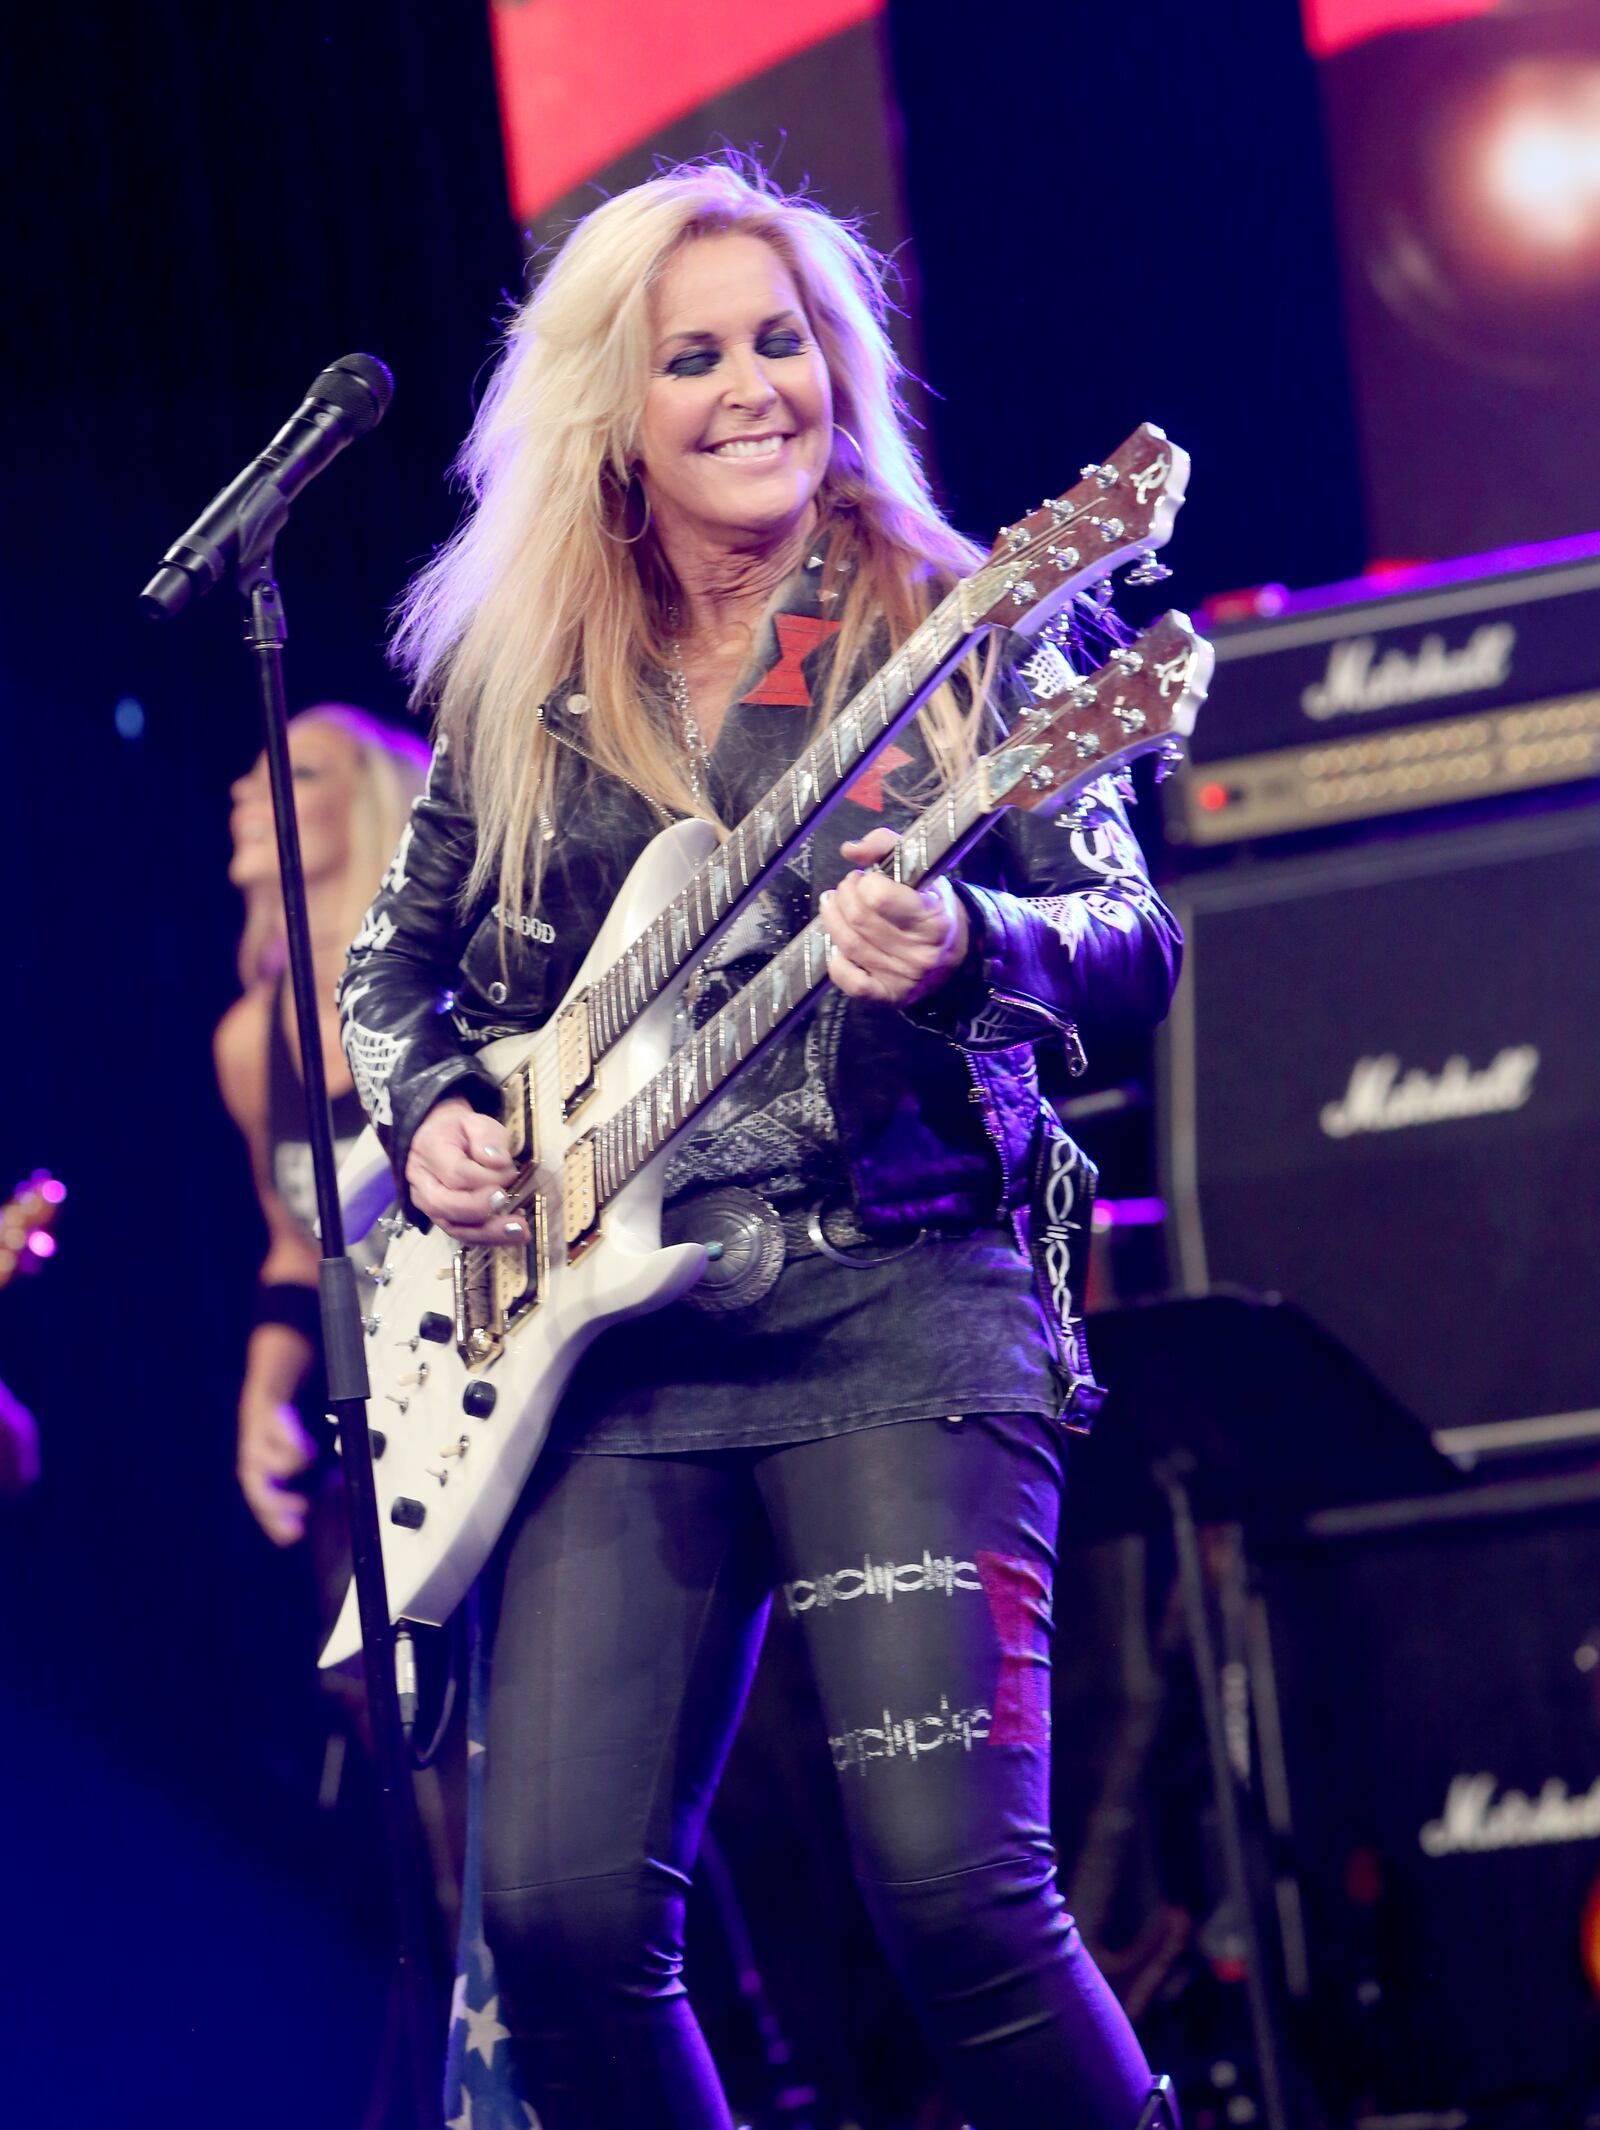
(265, 631)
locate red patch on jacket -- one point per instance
(786, 684)
(867, 790)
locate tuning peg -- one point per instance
(1147, 570)
(1128, 659)
(1168, 758)
(1107, 476)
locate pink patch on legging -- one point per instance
(1015, 1592)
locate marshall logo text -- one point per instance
(1358, 679)
(1474, 1819)
(1379, 1099)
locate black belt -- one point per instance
(748, 1240)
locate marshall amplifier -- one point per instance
(1452, 681)
(1380, 1089)
(1437, 1682)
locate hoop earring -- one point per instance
(631, 539)
(839, 429)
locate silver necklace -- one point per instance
(683, 710)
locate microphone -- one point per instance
(350, 397)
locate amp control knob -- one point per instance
(436, 1327)
(478, 1399)
(408, 1514)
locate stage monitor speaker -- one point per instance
(1439, 1689)
(1381, 1100)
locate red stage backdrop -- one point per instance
(1333, 24)
(594, 94)
(1465, 141)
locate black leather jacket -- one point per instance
(938, 1109)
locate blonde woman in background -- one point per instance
(354, 782)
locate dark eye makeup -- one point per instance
(776, 345)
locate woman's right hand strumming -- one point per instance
(458, 1172)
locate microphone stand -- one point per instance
(265, 631)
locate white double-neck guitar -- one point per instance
(470, 1349)
(1119, 511)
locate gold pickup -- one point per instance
(574, 1055)
(580, 1198)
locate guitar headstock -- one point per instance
(1119, 511)
(1143, 699)
(25, 1222)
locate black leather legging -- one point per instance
(916, 1559)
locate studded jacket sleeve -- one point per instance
(1068, 936)
(396, 992)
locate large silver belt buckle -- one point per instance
(743, 1241)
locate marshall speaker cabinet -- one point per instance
(1381, 1095)
(1439, 1685)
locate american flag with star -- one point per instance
(481, 2089)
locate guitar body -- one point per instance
(460, 1444)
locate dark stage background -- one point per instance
(1118, 215)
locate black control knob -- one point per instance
(407, 1513)
(437, 1328)
(478, 1399)
(379, 1441)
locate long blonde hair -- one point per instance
(540, 583)
(391, 768)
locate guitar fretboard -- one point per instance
(787, 814)
(711, 1058)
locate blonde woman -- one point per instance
(697, 524)
(354, 782)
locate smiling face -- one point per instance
(737, 424)
(326, 765)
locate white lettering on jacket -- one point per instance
(529, 927)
